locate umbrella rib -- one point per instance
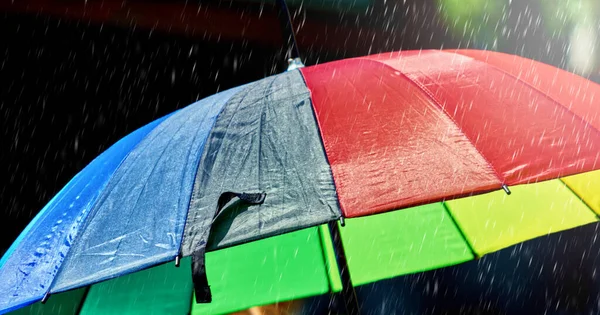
(90, 215)
(589, 207)
(260, 138)
(192, 194)
(147, 178)
(462, 233)
(439, 105)
(35, 221)
(523, 82)
(106, 193)
(206, 232)
(195, 189)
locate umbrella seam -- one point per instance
(45, 214)
(588, 206)
(195, 188)
(29, 227)
(438, 104)
(91, 212)
(34, 223)
(129, 217)
(462, 233)
(322, 142)
(521, 81)
(268, 91)
(182, 235)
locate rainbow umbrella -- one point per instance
(415, 130)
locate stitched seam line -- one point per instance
(519, 80)
(437, 103)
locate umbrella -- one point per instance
(414, 130)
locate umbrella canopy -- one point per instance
(349, 138)
(301, 264)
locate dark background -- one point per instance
(73, 84)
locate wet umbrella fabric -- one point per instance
(371, 134)
(301, 264)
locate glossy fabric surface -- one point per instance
(422, 126)
(30, 265)
(139, 218)
(388, 143)
(577, 94)
(524, 134)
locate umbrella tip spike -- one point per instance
(177, 260)
(506, 190)
(45, 298)
(295, 63)
(342, 221)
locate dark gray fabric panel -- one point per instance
(266, 139)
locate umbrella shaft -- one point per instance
(287, 30)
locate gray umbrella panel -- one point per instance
(265, 140)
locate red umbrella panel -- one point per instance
(415, 127)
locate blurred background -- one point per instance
(77, 75)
